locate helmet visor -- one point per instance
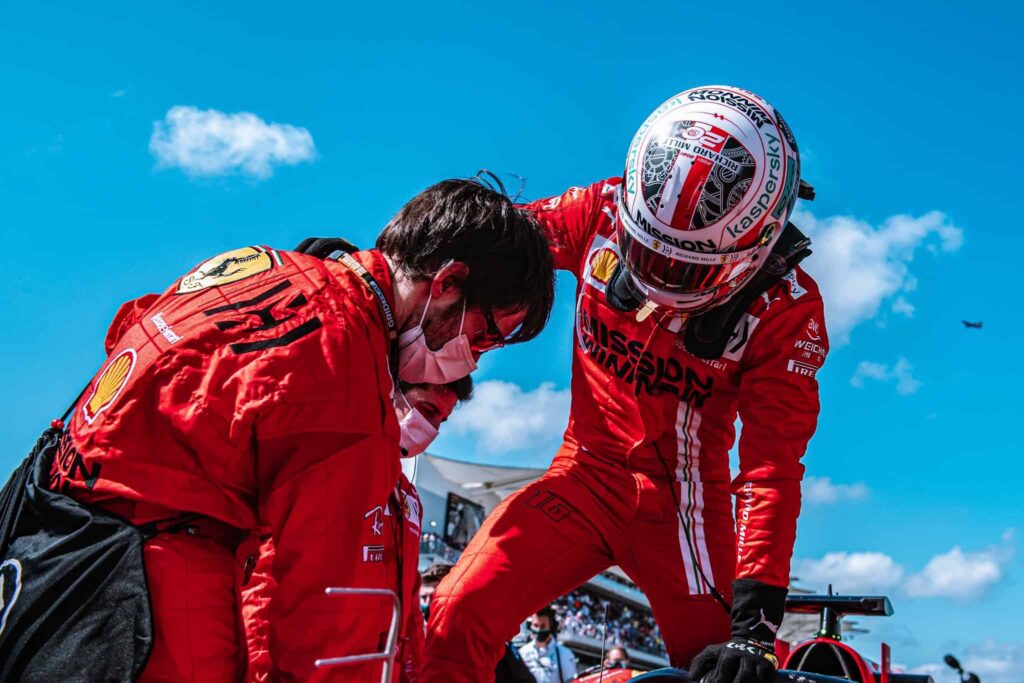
(670, 274)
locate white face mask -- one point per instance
(418, 364)
(417, 432)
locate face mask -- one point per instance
(417, 432)
(425, 607)
(418, 364)
(542, 634)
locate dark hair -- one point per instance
(625, 652)
(510, 264)
(549, 612)
(463, 388)
(435, 572)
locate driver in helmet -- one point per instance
(691, 312)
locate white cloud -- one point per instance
(902, 374)
(850, 573)
(956, 574)
(119, 93)
(868, 370)
(821, 490)
(905, 382)
(859, 266)
(993, 661)
(903, 307)
(504, 418)
(210, 143)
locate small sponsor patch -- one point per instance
(413, 513)
(229, 267)
(376, 518)
(795, 290)
(602, 265)
(163, 328)
(802, 369)
(813, 330)
(373, 553)
(109, 384)
(737, 343)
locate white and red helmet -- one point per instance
(711, 179)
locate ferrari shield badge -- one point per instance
(109, 384)
(229, 267)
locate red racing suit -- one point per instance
(643, 478)
(387, 531)
(255, 392)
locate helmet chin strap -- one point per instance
(707, 334)
(621, 292)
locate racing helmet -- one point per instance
(711, 179)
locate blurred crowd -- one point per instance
(582, 612)
(433, 546)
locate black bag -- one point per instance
(74, 605)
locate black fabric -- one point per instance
(620, 292)
(706, 335)
(322, 247)
(749, 657)
(737, 661)
(757, 610)
(511, 668)
(75, 606)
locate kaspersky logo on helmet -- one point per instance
(763, 203)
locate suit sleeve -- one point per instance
(127, 315)
(570, 219)
(779, 412)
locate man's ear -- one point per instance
(451, 278)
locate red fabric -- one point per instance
(637, 393)
(258, 591)
(583, 515)
(193, 590)
(263, 403)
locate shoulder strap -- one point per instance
(706, 335)
(61, 422)
(356, 267)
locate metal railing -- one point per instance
(387, 657)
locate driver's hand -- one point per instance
(738, 661)
(749, 657)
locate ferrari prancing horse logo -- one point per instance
(229, 267)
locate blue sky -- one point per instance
(901, 110)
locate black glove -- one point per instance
(322, 247)
(749, 657)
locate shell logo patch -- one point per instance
(602, 265)
(231, 266)
(109, 384)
